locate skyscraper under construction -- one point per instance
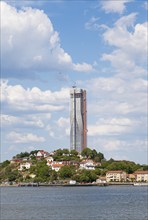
(78, 119)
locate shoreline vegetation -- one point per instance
(69, 168)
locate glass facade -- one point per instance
(78, 128)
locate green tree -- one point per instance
(13, 175)
(101, 156)
(74, 153)
(34, 152)
(145, 167)
(53, 175)
(97, 171)
(22, 154)
(5, 164)
(65, 151)
(87, 152)
(41, 170)
(93, 154)
(85, 176)
(66, 172)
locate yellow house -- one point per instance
(116, 176)
(141, 176)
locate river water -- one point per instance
(74, 203)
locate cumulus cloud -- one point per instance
(122, 149)
(50, 131)
(113, 126)
(15, 137)
(29, 44)
(114, 6)
(63, 126)
(117, 96)
(18, 98)
(63, 122)
(129, 57)
(26, 121)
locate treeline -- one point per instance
(40, 172)
(66, 155)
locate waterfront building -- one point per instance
(78, 119)
(116, 176)
(141, 176)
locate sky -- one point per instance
(49, 46)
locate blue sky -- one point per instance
(48, 46)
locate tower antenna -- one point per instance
(74, 84)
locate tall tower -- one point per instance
(78, 119)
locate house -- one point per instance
(26, 165)
(49, 159)
(16, 161)
(25, 158)
(116, 176)
(69, 162)
(56, 167)
(101, 179)
(41, 153)
(87, 165)
(141, 176)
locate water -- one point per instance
(74, 203)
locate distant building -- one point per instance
(87, 165)
(26, 166)
(56, 167)
(49, 159)
(141, 176)
(116, 176)
(41, 153)
(78, 119)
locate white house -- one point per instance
(101, 179)
(26, 165)
(56, 167)
(87, 165)
(49, 159)
(116, 176)
(42, 153)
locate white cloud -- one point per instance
(8, 120)
(29, 43)
(113, 126)
(63, 126)
(114, 6)
(15, 137)
(63, 122)
(129, 57)
(84, 67)
(19, 98)
(50, 131)
(117, 96)
(92, 24)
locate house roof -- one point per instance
(115, 171)
(57, 165)
(141, 172)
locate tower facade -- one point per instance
(78, 119)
